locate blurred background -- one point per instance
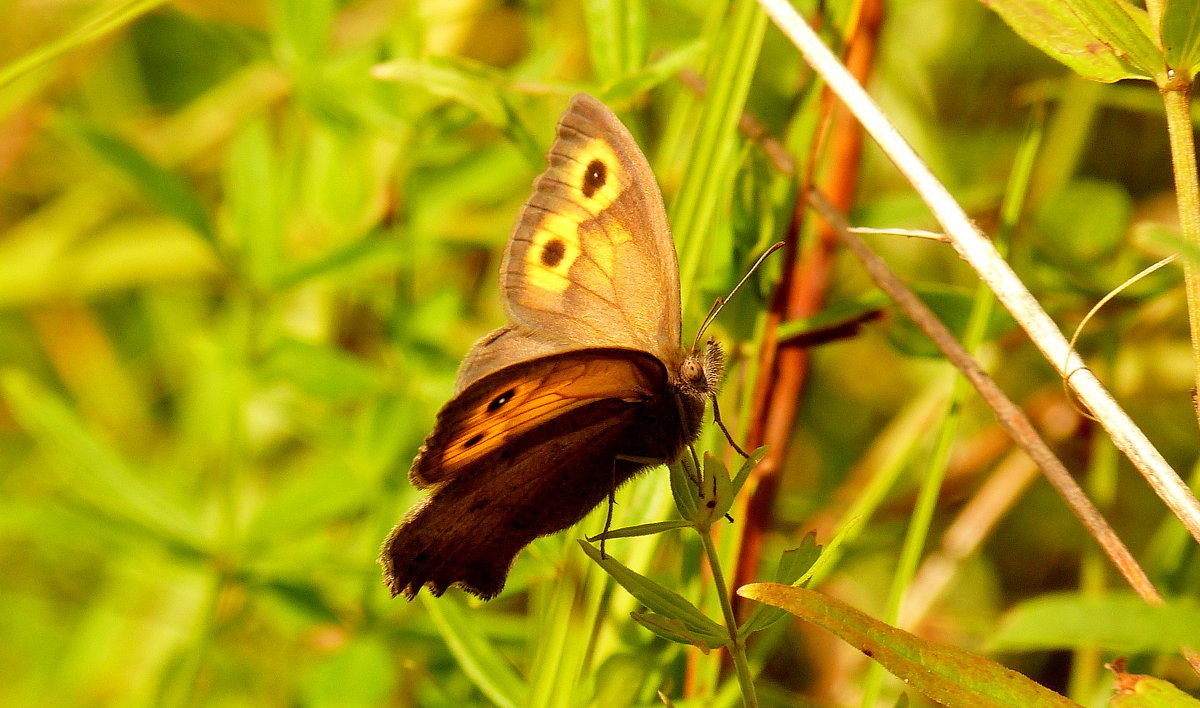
(244, 245)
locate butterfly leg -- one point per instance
(612, 501)
(721, 425)
(612, 493)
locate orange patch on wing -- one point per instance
(516, 407)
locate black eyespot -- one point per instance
(594, 177)
(501, 399)
(473, 440)
(552, 253)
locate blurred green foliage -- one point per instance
(243, 247)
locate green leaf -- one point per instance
(1181, 37)
(1085, 221)
(104, 20)
(1140, 691)
(616, 31)
(164, 189)
(952, 305)
(1051, 26)
(255, 204)
(1165, 240)
(657, 598)
(656, 73)
(716, 488)
(1117, 621)
(97, 472)
(1123, 28)
(303, 596)
(321, 371)
(747, 467)
(678, 632)
(478, 659)
(943, 673)
(643, 530)
(793, 563)
(472, 84)
(363, 673)
(684, 489)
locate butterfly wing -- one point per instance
(591, 260)
(523, 452)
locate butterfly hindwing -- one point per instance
(469, 530)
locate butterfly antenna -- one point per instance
(721, 301)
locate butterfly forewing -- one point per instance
(591, 260)
(506, 405)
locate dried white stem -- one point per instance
(979, 252)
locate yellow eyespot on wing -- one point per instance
(552, 250)
(596, 172)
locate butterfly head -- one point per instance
(701, 369)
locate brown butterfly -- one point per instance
(585, 387)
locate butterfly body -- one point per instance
(586, 386)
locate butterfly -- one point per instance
(587, 385)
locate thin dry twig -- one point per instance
(981, 254)
(1011, 417)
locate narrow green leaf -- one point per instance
(255, 202)
(302, 31)
(642, 530)
(321, 371)
(103, 21)
(943, 673)
(656, 73)
(684, 489)
(463, 81)
(164, 189)
(479, 660)
(747, 467)
(472, 84)
(303, 596)
(1181, 37)
(1052, 27)
(98, 473)
(711, 165)
(1165, 240)
(657, 598)
(1120, 622)
(676, 631)
(616, 32)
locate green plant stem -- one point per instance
(1176, 100)
(737, 645)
